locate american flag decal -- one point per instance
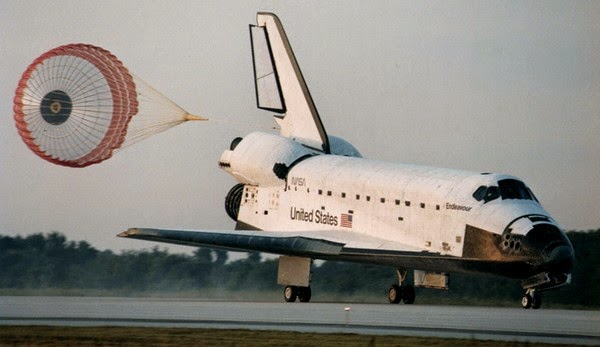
(346, 220)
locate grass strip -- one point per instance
(138, 336)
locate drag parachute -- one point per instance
(77, 103)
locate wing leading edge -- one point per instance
(326, 245)
(330, 245)
(317, 244)
(241, 241)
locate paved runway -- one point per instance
(511, 324)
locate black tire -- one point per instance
(304, 294)
(290, 293)
(408, 294)
(536, 301)
(526, 301)
(395, 294)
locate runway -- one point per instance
(485, 323)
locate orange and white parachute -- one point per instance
(77, 103)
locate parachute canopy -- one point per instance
(77, 103)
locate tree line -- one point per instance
(40, 262)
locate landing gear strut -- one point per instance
(290, 293)
(399, 292)
(531, 299)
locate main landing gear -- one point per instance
(290, 293)
(399, 292)
(531, 299)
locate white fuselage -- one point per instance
(426, 208)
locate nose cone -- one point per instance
(560, 258)
(556, 251)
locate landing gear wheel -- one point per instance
(395, 294)
(408, 294)
(290, 293)
(536, 301)
(304, 294)
(531, 299)
(526, 301)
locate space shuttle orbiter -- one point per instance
(305, 195)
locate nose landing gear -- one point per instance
(531, 299)
(541, 282)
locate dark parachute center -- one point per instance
(56, 107)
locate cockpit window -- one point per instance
(486, 194)
(514, 189)
(507, 189)
(492, 193)
(532, 195)
(480, 193)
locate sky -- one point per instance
(487, 86)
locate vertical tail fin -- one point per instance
(280, 86)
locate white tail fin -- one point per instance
(280, 86)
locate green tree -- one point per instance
(40, 261)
